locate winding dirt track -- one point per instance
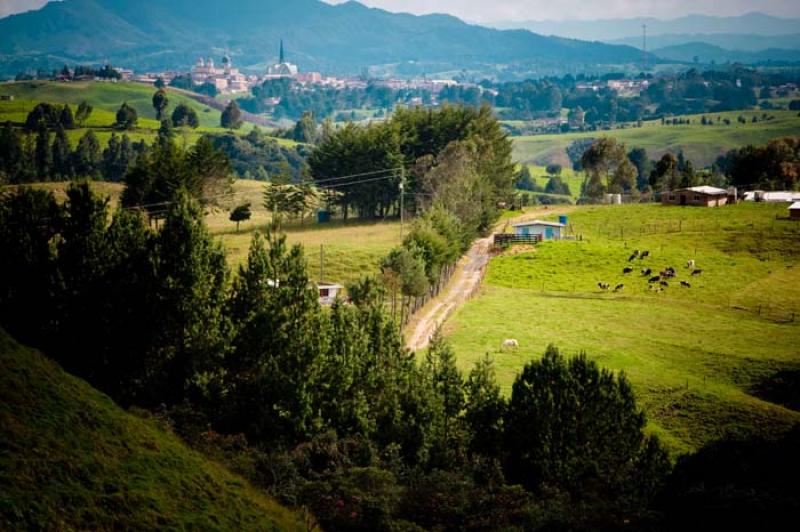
(465, 281)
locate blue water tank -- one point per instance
(323, 217)
(562, 220)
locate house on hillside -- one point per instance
(545, 230)
(328, 292)
(794, 211)
(704, 196)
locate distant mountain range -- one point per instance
(340, 39)
(706, 53)
(750, 38)
(615, 29)
(728, 41)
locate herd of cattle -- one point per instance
(655, 282)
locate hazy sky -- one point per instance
(483, 11)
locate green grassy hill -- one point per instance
(70, 459)
(696, 356)
(701, 144)
(106, 98)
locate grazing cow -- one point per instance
(697, 272)
(686, 284)
(644, 254)
(646, 272)
(619, 287)
(655, 279)
(510, 343)
(664, 284)
(604, 286)
(690, 264)
(632, 257)
(627, 270)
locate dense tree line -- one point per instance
(454, 144)
(49, 156)
(774, 166)
(258, 156)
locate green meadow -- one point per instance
(701, 144)
(697, 355)
(106, 98)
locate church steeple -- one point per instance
(282, 59)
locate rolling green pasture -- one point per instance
(351, 249)
(105, 96)
(106, 99)
(693, 354)
(701, 144)
(568, 175)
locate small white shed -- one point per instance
(547, 230)
(328, 292)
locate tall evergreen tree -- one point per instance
(160, 104)
(62, 156)
(43, 161)
(87, 156)
(65, 119)
(231, 116)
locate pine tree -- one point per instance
(127, 117)
(160, 104)
(62, 155)
(485, 409)
(575, 427)
(87, 158)
(191, 285)
(231, 117)
(83, 113)
(43, 161)
(65, 119)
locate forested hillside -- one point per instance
(337, 39)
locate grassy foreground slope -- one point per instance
(698, 356)
(701, 144)
(70, 459)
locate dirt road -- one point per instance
(465, 281)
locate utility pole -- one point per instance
(321, 263)
(402, 200)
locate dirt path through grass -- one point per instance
(465, 281)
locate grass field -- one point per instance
(106, 99)
(73, 460)
(568, 175)
(693, 354)
(351, 249)
(105, 96)
(701, 144)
